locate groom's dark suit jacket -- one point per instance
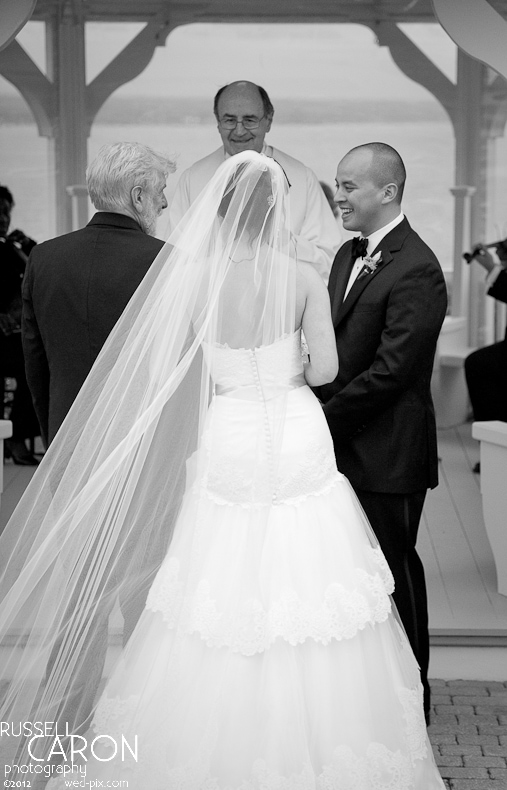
(75, 288)
(379, 407)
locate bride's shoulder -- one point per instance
(308, 277)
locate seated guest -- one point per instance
(486, 368)
(244, 114)
(14, 248)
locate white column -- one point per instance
(480, 33)
(66, 67)
(462, 242)
(5, 433)
(79, 204)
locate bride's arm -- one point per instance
(318, 328)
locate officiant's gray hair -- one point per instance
(387, 166)
(118, 168)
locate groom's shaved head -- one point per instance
(386, 166)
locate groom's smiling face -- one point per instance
(358, 194)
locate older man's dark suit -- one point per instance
(75, 288)
(379, 407)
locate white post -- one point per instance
(65, 45)
(461, 271)
(79, 205)
(5, 433)
(493, 438)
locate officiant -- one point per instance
(244, 115)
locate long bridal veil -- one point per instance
(93, 525)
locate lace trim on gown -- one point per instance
(253, 627)
(379, 768)
(225, 483)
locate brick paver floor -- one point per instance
(468, 732)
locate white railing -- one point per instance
(5, 433)
(493, 438)
(448, 385)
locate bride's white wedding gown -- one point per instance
(268, 657)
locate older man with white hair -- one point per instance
(77, 285)
(244, 114)
(75, 288)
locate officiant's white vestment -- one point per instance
(311, 219)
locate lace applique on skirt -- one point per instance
(252, 627)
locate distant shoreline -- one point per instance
(190, 111)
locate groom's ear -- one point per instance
(389, 193)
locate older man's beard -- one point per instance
(149, 220)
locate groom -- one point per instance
(388, 299)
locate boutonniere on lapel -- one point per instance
(370, 264)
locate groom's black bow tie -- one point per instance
(359, 247)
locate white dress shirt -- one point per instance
(312, 222)
(373, 241)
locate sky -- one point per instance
(290, 60)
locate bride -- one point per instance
(268, 653)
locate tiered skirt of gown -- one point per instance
(268, 656)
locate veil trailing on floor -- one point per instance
(93, 525)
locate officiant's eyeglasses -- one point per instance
(248, 122)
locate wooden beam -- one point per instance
(226, 11)
(127, 65)
(19, 69)
(416, 65)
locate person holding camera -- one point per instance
(486, 368)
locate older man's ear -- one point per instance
(136, 196)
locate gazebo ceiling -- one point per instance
(186, 11)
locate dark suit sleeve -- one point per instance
(414, 314)
(499, 288)
(36, 363)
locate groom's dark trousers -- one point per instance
(379, 408)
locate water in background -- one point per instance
(426, 147)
